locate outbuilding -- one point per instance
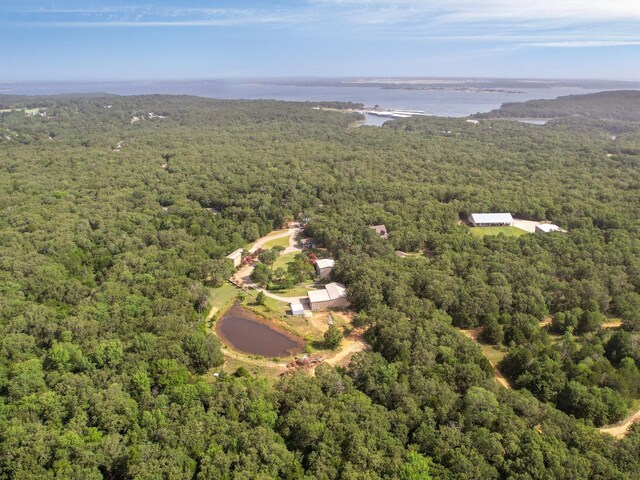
(548, 227)
(324, 267)
(381, 230)
(334, 295)
(491, 219)
(236, 257)
(297, 309)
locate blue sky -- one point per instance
(191, 39)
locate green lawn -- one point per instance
(509, 231)
(223, 296)
(283, 242)
(283, 260)
(270, 308)
(297, 291)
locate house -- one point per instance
(324, 267)
(297, 309)
(475, 122)
(548, 227)
(235, 257)
(491, 219)
(307, 243)
(380, 230)
(401, 254)
(334, 295)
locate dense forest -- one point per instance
(116, 214)
(620, 105)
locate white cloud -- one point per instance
(584, 44)
(532, 23)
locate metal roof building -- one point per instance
(297, 309)
(490, 219)
(548, 227)
(334, 295)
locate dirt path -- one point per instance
(619, 430)
(501, 379)
(291, 233)
(353, 346)
(546, 322)
(614, 324)
(350, 346)
(279, 367)
(243, 276)
(211, 313)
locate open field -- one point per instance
(509, 231)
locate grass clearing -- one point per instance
(222, 297)
(493, 354)
(508, 231)
(282, 241)
(284, 260)
(297, 291)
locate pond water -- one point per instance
(244, 331)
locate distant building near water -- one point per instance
(324, 267)
(380, 230)
(491, 219)
(236, 257)
(548, 227)
(334, 295)
(297, 309)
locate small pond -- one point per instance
(244, 331)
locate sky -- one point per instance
(92, 40)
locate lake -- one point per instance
(247, 332)
(448, 103)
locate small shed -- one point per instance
(324, 267)
(381, 230)
(236, 257)
(297, 309)
(307, 243)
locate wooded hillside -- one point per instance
(116, 214)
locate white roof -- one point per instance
(491, 218)
(319, 296)
(325, 263)
(235, 254)
(297, 308)
(336, 290)
(549, 227)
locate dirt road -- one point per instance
(619, 430)
(243, 276)
(473, 335)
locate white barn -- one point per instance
(491, 219)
